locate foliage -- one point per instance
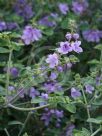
(50, 68)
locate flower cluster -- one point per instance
(89, 89)
(14, 72)
(64, 67)
(8, 26)
(75, 93)
(63, 7)
(31, 34)
(52, 60)
(33, 92)
(79, 6)
(92, 35)
(48, 21)
(52, 87)
(23, 8)
(72, 44)
(2, 26)
(48, 115)
(69, 130)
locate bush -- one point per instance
(50, 68)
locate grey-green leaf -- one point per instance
(70, 107)
(15, 123)
(3, 50)
(95, 120)
(37, 100)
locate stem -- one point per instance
(88, 111)
(101, 59)
(6, 132)
(27, 109)
(8, 74)
(19, 104)
(30, 58)
(101, 56)
(28, 117)
(96, 132)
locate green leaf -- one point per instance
(64, 24)
(2, 91)
(16, 46)
(69, 21)
(70, 107)
(94, 61)
(15, 123)
(73, 58)
(37, 100)
(95, 120)
(98, 47)
(15, 35)
(5, 33)
(97, 103)
(25, 134)
(59, 92)
(4, 50)
(48, 32)
(85, 132)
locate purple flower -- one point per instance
(91, 35)
(52, 60)
(11, 88)
(79, 6)
(46, 117)
(54, 15)
(63, 7)
(46, 21)
(89, 89)
(75, 36)
(12, 25)
(2, 26)
(59, 114)
(68, 36)
(23, 8)
(100, 34)
(33, 92)
(75, 93)
(76, 46)
(69, 129)
(14, 72)
(53, 76)
(44, 96)
(64, 47)
(52, 87)
(60, 68)
(30, 35)
(98, 79)
(49, 114)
